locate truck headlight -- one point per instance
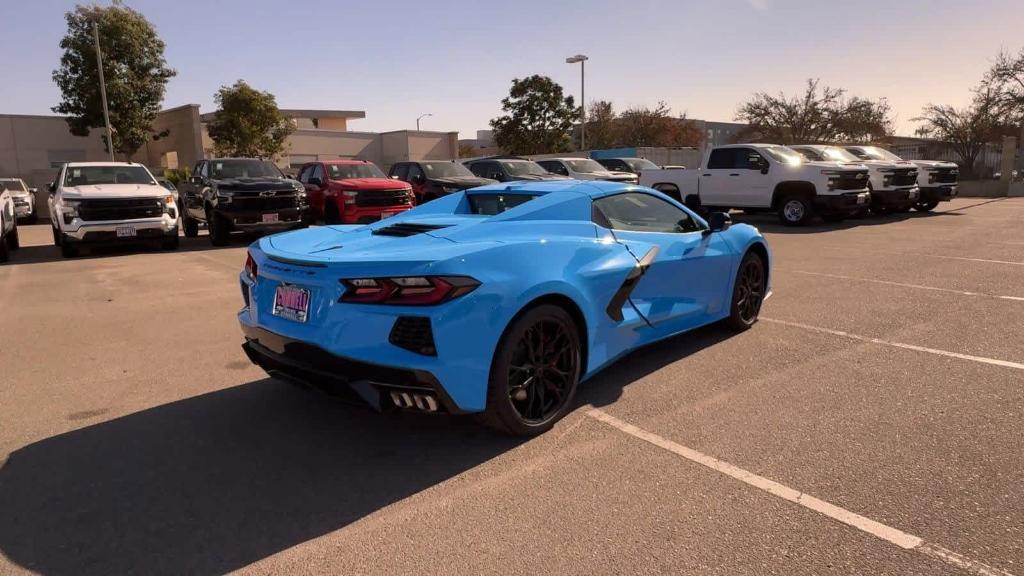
(349, 196)
(225, 197)
(69, 210)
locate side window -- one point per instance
(639, 212)
(721, 158)
(401, 171)
(747, 159)
(318, 172)
(200, 169)
(304, 173)
(487, 170)
(555, 167)
(415, 172)
(617, 165)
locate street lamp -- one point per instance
(103, 89)
(583, 102)
(418, 121)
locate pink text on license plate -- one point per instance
(291, 302)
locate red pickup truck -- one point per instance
(353, 192)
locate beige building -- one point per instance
(34, 147)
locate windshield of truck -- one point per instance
(347, 171)
(523, 168)
(100, 174)
(782, 154)
(874, 153)
(638, 164)
(226, 169)
(13, 185)
(446, 170)
(585, 165)
(837, 155)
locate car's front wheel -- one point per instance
(535, 372)
(748, 292)
(219, 228)
(926, 205)
(13, 241)
(189, 225)
(795, 210)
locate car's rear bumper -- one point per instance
(941, 193)
(380, 386)
(106, 231)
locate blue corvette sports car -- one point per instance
(497, 300)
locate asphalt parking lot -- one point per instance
(871, 423)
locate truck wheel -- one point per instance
(190, 226)
(218, 226)
(56, 235)
(331, 215)
(5, 252)
(926, 205)
(13, 241)
(171, 243)
(67, 249)
(795, 211)
(880, 209)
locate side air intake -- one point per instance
(404, 229)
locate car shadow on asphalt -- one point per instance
(216, 482)
(770, 222)
(41, 254)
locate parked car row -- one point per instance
(800, 182)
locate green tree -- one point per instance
(538, 119)
(134, 69)
(815, 116)
(248, 123)
(602, 125)
(965, 130)
(644, 126)
(1005, 83)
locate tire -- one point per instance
(171, 243)
(13, 240)
(795, 210)
(926, 205)
(219, 231)
(331, 215)
(669, 190)
(67, 249)
(5, 251)
(880, 209)
(514, 405)
(189, 225)
(747, 293)
(56, 235)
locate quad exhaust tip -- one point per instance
(422, 402)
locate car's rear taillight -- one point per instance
(250, 267)
(407, 290)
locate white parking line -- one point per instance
(982, 359)
(1010, 262)
(864, 524)
(919, 286)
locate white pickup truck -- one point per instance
(107, 202)
(767, 177)
(937, 181)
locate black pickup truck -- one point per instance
(244, 194)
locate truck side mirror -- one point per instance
(51, 187)
(196, 180)
(315, 181)
(718, 222)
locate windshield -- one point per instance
(113, 174)
(639, 164)
(585, 165)
(13, 185)
(224, 169)
(838, 155)
(523, 167)
(873, 153)
(346, 171)
(782, 154)
(491, 204)
(446, 170)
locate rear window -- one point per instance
(491, 204)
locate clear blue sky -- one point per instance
(455, 59)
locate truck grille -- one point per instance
(946, 176)
(119, 209)
(281, 200)
(904, 177)
(382, 197)
(853, 181)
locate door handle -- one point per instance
(734, 174)
(705, 175)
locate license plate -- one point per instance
(270, 218)
(291, 302)
(125, 231)
(862, 199)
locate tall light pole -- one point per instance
(103, 89)
(418, 120)
(583, 98)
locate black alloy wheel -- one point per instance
(748, 294)
(535, 372)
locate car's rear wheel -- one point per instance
(535, 372)
(13, 241)
(748, 292)
(189, 225)
(331, 215)
(926, 205)
(5, 252)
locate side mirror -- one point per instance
(33, 190)
(764, 166)
(196, 180)
(51, 187)
(315, 181)
(419, 179)
(395, 177)
(718, 222)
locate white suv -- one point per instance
(108, 202)
(8, 225)
(24, 198)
